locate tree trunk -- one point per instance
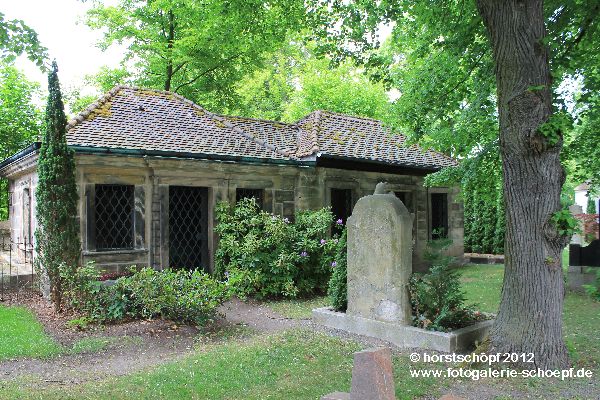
(530, 316)
(170, 40)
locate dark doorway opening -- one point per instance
(439, 215)
(188, 227)
(341, 204)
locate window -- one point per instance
(341, 204)
(439, 215)
(27, 232)
(114, 217)
(257, 194)
(406, 199)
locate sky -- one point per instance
(60, 28)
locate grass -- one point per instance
(581, 316)
(297, 364)
(21, 335)
(304, 364)
(297, 308)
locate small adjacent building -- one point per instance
(151, 166)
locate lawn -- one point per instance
(303, 364)
(21, 335)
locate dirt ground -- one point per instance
(136, 345)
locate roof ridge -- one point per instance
(313, 136)
(222, 119)
(290, 124)
(82, 116)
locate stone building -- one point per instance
(151, 165)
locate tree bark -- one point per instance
(530, 316)
(170, 41)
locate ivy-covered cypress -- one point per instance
(57, 236)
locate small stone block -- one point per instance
(372, 375)
(336, 396)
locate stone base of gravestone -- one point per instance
(372, 377)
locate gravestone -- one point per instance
(576, 210)
(378, 273)
(372, 377)
(380, 258)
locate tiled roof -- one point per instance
(154, 120)
(365, 138)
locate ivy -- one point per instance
(565, 223)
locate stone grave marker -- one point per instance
(380, 258)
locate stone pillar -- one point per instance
(380, 259)
(575, 210)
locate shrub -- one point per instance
(594, 289)
(338, 285)
(182, 296)
(436, 297)
(264, 255)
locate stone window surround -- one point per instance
(449, 199)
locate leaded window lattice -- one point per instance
(188, 227)
(114, 217)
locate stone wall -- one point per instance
(287, 188)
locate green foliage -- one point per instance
(182, 296)
(20, 119)
(591, 204)
(480, 178)
(264, 255)
(57, 236)
(197, 49)
(436, 297)
(557, 125)
(178, 295)
(594, 289)
(16, 38)
(338, 284)
(344, 89)
(565, 223)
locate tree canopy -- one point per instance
(197, 49)
(17, 38)
(20, 119)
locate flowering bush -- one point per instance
(264, 255)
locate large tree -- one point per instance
(457, 59)
(197, 49)
(20, 119)
(17, 38)
(57, 237)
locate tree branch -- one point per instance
(206, 72)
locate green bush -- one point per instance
(182, 296)
(264, 255)
(594, 289)
(437, 299)
(338, 285)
